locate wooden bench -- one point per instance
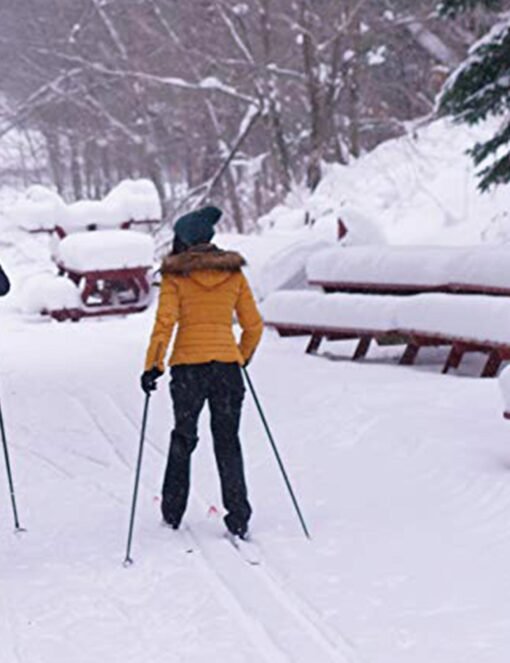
(409, 270)
(417, 322)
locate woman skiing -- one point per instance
(5, 285)
(201, 290)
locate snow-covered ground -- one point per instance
(402, 474)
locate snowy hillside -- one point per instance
(419, 189)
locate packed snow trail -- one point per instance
(402, 474)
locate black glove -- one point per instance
(149, 378)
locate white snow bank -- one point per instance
(418, 189)
(318, 216)
(109, 249)
(335, 311)
(275, 262)
(48, 292)
(411, 265)
(470, 317)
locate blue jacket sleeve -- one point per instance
(5, 285)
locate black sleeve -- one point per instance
(5, 286)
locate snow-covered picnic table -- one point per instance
(412, 269)
(465, 323)
(105, 250)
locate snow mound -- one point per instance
(109, 249)
(274, 262)
(421, 188)
(48, 292)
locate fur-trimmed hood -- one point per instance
(203, 257)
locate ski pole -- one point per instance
(9, 475)
(128, 560)
(276, 453)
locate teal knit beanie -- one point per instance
(197, 227)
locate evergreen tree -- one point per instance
(480, 88)
(452, 8)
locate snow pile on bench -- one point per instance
(105, 250)
(131, 200)
(337, 311)
(43, 209)
(85, 213)
(487, 266)
(472, 318)
(475, 318)
(48, 292)
(134, 200)
(384, 265)
(504, 384)
(39, 209)
(432, 267)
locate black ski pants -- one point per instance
(221, 384)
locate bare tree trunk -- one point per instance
(76, 177)
(353, 73)
(278, 145)
(106, 167)
(234, 201)
(55, 160)
(314, 168)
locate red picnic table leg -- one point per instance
(362, 348)
(455, 357)
(493, 364)
(314, 343)
(410, 354)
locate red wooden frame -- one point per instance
(408, 288)
(414, 340)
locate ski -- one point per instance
(246, 548)
(183, 536)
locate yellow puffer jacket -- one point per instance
(201, 290)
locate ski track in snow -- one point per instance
(308, 639)
(378, 494)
